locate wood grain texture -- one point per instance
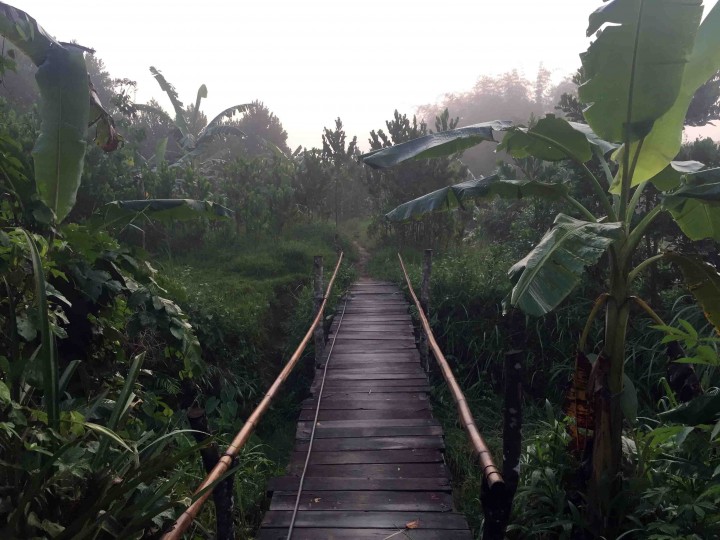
(376, 469)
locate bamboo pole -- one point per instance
(184, 521)
(490, 472)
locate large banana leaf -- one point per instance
(551, 139)
(123, 212)
(695, 206)
(64, 109)
(592, 137)
(209, 134)
(228, 113)
(671, 176)
(65, 101)
(149, 109)
(201, 94)
(553, 268)
(25, 33)
(435, 144)
(477, 188)
(169, 89)
(703, 281)
(663, 142)
(634, 69)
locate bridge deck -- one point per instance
(376, 469)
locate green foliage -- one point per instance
(642, 54)
(544, 278)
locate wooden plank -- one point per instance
(379, 520)
(365, 414)
(373, 443)
(363, 534)
(361, 432)
(352, 375)
(369, 456)
(352, 335)
(427, 501)
(377, 471)
(368, 387)
(363, 423)
(291, 483)
(358, 364)
(370, 403)
(374, 396)
(412, 370)
(368, 356)
(374, 345)
(373, 384)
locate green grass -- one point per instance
(250, 301)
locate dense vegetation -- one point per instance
(157, 271)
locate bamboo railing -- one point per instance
(491, 473)
(205, 488)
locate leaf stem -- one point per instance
(599, 302)
(640, 267)
(580, 207)
(634, 201)
(638, 232)
(644, 305)
(599, 191)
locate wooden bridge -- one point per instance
(376, 469)
(368, 457)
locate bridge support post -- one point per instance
(318, 297)
(425, 304)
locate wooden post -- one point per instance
(223, 492)
(319, 296)
(425, 304)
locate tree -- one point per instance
(262, 127)
(641, 74)
(510, 96)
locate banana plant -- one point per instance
(192, 138)
(68, 106)
(647, 61)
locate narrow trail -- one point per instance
(362, 263)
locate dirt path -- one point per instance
(363, 259)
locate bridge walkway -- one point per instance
(376, 469)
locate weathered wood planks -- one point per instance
(376, 469)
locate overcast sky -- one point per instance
(311, 61)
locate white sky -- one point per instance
(311, 61)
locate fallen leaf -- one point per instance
(413, 524)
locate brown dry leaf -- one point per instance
(413, 524)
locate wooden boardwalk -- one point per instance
(376, 469)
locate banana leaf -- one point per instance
(703, 409)
(228, 113)
(695, 206)
(551, 139)
(169, 89)
(120, 213)
(452, 196)
(703, 281)
(554, 267)
(663, 142)
(435, 144)
(201, 94)
(670, 177)
(634, 69)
